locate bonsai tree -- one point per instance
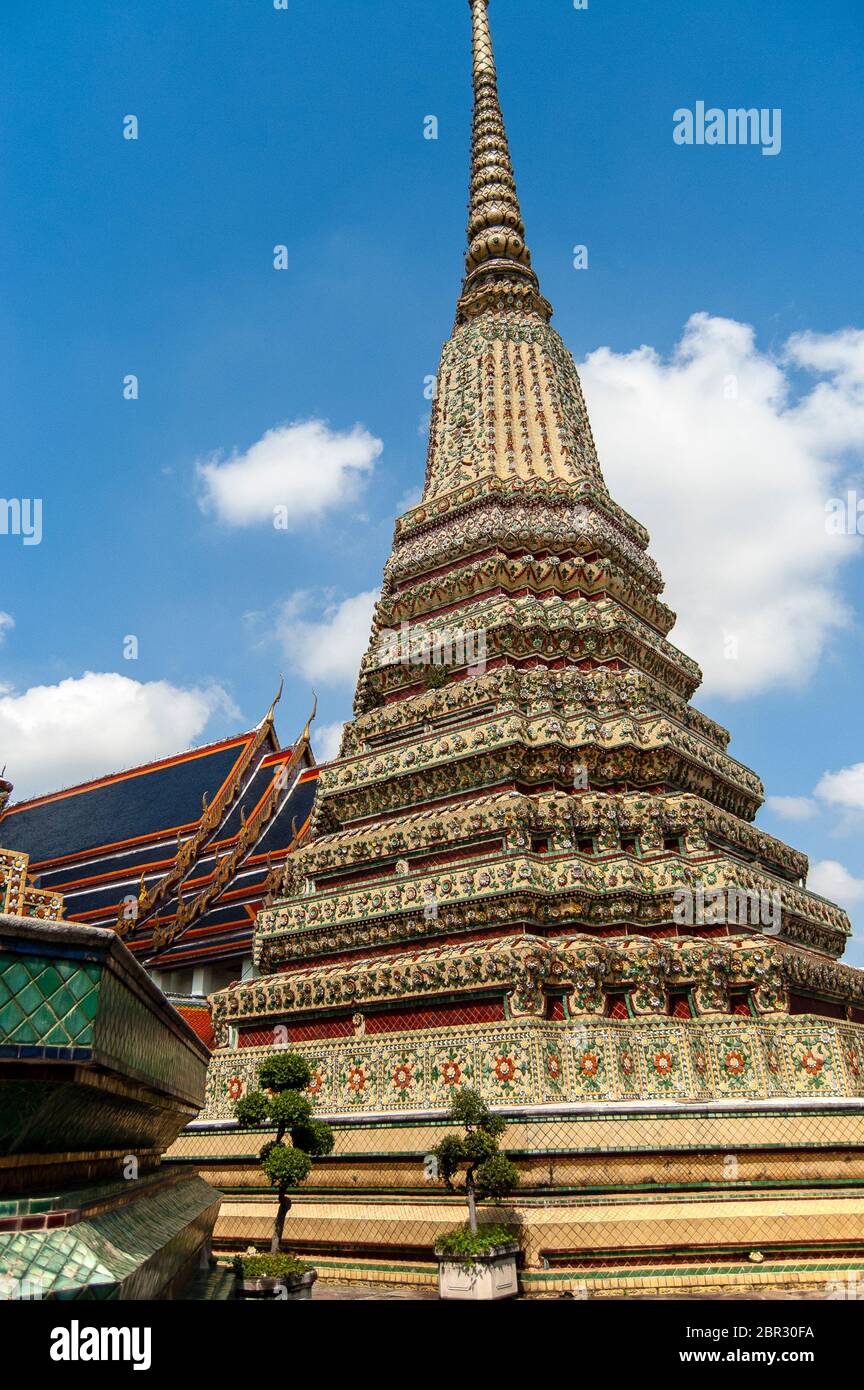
(282, 1079)
(488, 1173)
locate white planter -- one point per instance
(288, 1290)
(489, 1276)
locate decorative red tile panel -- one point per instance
(436, 1016)
(297, 1032)
(396, 1021)
(810, 1004)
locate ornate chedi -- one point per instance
(533, 866)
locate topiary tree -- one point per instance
(283, 1078)
(488, 1173)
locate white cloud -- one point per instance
(7, 622)
(731, 476)
(326, 741)
(54, 736)
(304, 470)
(328, 648)
(844, 789)
(792, 807)
(833, 881)
(833, 412)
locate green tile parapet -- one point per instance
(132, 1240)
(92, 1056)
(98, 1076)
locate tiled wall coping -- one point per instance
(31, 937)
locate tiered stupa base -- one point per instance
(657, 1157)
(652, 1198)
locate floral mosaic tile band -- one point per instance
(540, 1063)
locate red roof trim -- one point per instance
(280, 756)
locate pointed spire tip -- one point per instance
(498, 263)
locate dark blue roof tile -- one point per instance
(143, 802)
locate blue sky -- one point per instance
(304, 127)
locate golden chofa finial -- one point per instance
(498, 263)
(304, 737)
(268, 718)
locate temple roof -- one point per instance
(112, 811)
(177, 854)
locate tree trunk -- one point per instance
(472, 1205)
(282, 1210)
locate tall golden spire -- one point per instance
(498, 264)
